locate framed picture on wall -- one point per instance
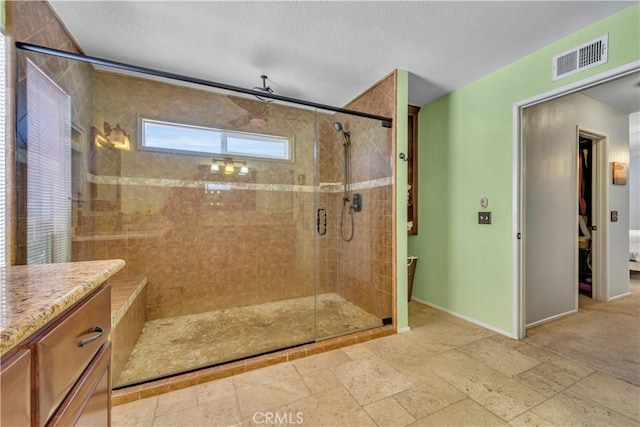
(619, 173)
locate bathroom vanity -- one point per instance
(55, 322)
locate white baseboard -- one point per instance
(467, 318)
(619, 296)
(549, 319)
(403, 330)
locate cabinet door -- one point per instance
(98, 409)
(15, 389)
(66, 350)
(89, 401)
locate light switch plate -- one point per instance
(484, 217)
(614, 216)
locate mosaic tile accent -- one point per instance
(171, 345)
(325, 187)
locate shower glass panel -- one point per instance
(354, 256)
(217, 202)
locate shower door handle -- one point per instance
(321, 221)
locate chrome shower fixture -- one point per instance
(264, 88)
(350, 202)
(345, 134)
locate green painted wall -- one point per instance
(466, 150)
(402, 137)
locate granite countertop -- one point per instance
(33, 295)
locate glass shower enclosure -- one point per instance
(233, 208)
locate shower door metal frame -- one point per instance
(385, 121)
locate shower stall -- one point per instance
(258, 225)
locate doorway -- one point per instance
(551, 127)
(591, 149)
(586, 224)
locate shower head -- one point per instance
(266, 89)
(345, 135)
(338, 126)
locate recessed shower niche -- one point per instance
(215, 203)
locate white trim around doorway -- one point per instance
(518, 318)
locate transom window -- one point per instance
(177, 137)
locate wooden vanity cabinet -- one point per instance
(65, 368)
(15, 389)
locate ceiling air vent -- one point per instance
(581, 58)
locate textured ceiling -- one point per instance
(623, 94)
(326, 52)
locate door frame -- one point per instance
(600, 190)
(518, 184)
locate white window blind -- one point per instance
(3, 148)
(48, 169)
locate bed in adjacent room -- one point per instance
(634, 250)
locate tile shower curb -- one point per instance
(166, 385)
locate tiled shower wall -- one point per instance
(253, 246)
(362, 269)
(250, 244)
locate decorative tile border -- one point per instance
(130, 394)
(325, 187)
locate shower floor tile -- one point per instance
(179, 344)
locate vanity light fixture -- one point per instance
(228, 166)
(111, 137)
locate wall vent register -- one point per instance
(581, 58)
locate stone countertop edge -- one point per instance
(31, 296)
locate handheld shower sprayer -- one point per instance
(345, 135)
(354, 205)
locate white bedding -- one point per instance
(634, 245)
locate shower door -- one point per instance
(355, 254)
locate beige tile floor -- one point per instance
(603, 335)
(445, 372)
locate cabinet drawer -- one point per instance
(15, 389)
(89, 402)
(66, 350)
